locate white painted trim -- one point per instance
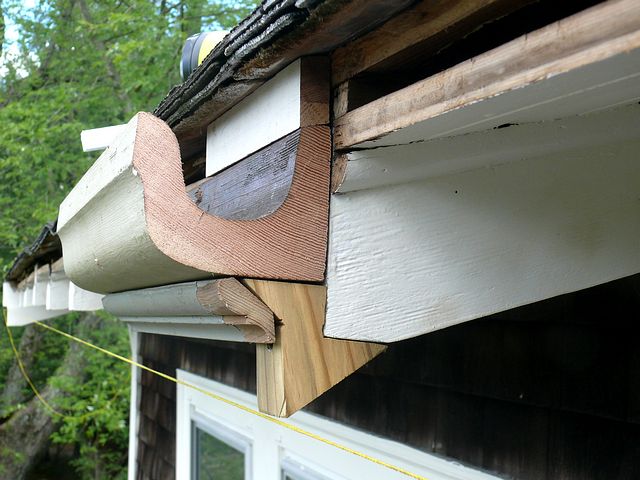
(40, 280)
(99, 138)
(134, 407)
(273, 443)
(112, 163)
(82, 300)
(48, 296)
(20, 308)
(174, 300)
(267, 114)
(231, 438)
(11, 297)
(169, 326)
(17, 317)
(399, 164)
(57, 297)
(408, 259)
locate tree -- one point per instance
(78, 64)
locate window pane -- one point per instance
(292, 470)
(215, 460)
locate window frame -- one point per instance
(220, 432)
(274, 446)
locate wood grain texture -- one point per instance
(602, 32)
(224, 302)
(133, 210)
(455, 248)
(430, 24)
(302, 364)
(253, 188)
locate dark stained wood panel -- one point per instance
(252, 188)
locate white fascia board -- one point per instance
(267, 114)
(17, 317)
(394, 165)
(48, 297)
(99, 138)
(411, 258)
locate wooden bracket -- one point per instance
(302, 364)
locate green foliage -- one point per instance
(6, 354)
(70, 65)
(97, 408)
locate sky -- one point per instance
(10, 48)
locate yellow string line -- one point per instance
(35, 390)
(237, 405)
(23, 370)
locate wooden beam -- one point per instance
(429, 24)
(81, 300)
(302, 364)
(487, 91)
(224, 302)
(453, 248)
(129, 223)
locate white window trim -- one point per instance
(273, 445)
(221, 432)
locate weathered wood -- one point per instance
(550, 70)
(458, 247)
(253, 188)
(428, 26)
(224, 302)
(302, 364)
(297, 97)
(132, 208)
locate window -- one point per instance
(292, 470)
(217, 453)
(220, 441)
